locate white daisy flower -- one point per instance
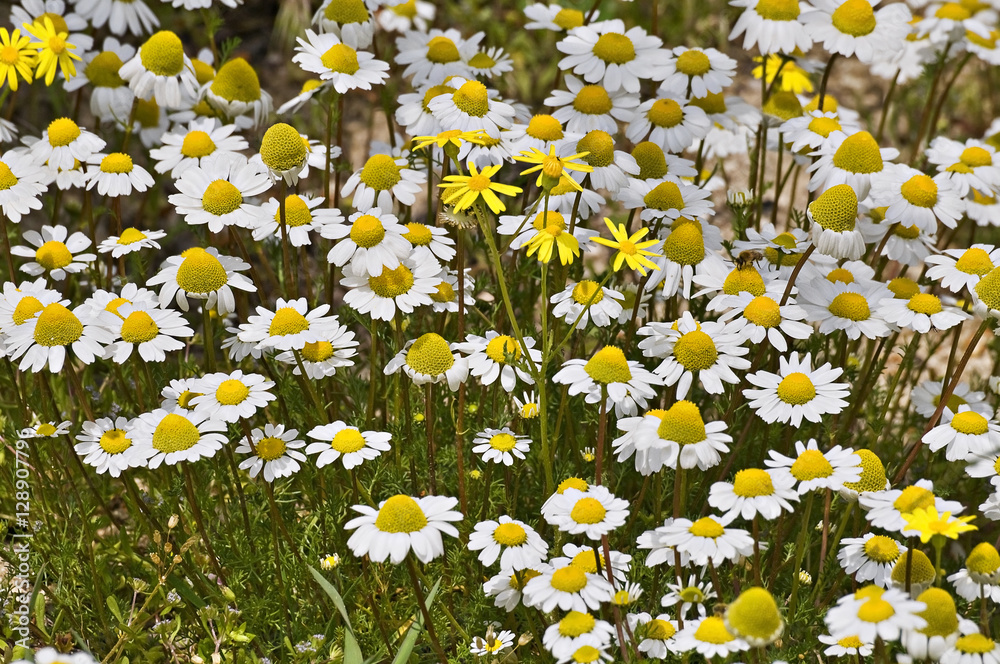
(431, 57)
(669, 122)
(22, 182)
(885, 509)
(797, 391)
(970, 165)
(371, 241)
(695, 593)
(666, 199)
(564, 636)
(54, 254)
(590, 649)
(853, 27)
(493, 644)
(983, 209)
(708, 637)
(854, 308)
(471, 107)
(339, 62)
(586, 559)
(956, 269)
(193, 144)
(702, 70)
(400, 524)
(302, 215)
(763, 317)
(350, 21)
(926, 396)
(676, 437)
(116, 174)
(690, 254)
(564, 585)
(921, 312)
(849, 159)
(607, 54)
(131, 240)
(875, 612)
(707, 539)
(514, 542)
(968, 433)
(43, 339)
(499, 356)
(446, 296)
(322, 358)
(160, 70)
(500, 446)
(594, 512)
(410, 15)
(974, 648)
(106, 445)
(915, 198)
(834, 216)
(170, 437)
(21, 303)
(585, 107)
(773, 26)
(527, 405)
(381, 181)
(46, 430)
(149, 330)
(230, 397)
(945, 23)
(290, 326)
(753, 492)
(202, 274)
(110, 97)
(406, 287)
(505, 587)
(120, 15)
(63, 143)
(611, 168)
(805, 133)
(818, 470)
(587, 302)
(627, 383)
(178, 394)
(540, 132)
(349, 444)
(711, 349)
(272, 449)
(216, 192)
(554, 17)
(430, 359)
(846, 645)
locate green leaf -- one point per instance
(410, 640)
(328, 588)
(185, 591)
(352, 651)
(113, 607)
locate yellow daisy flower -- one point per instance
(552, 167)
(464, 190)
(630, 249)
(54, 52)
(792, 78)
(554, 236)
(929, 523)
(16, 57)
(453, 137)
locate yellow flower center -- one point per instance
(872, 473)
(988, 289)
(400, 514)
(840, 275)
(569, 579)
(609, 365)
(903, 288)
(367, 231)
(53, 255)
(510, 534)
(651, 160)
(707, 527)
(940, 614)
(744, 279)
(500, 347)
(435, 91)
(952, 11)
(441, 50)
(175, 433)
(392, 283)
(786, 256)
(836, 209)
(906, 232)
(203, 72)
(26, 309)
(231, 392)
(587, 561)
(796, 389)
(755, 614)
(116, 162)
(347, 11)
(430, 355)
(852, 306)
(693, 63)
(753, 482)
(876, 610)
(660, 630)
(600, 146)
(147, 114)
(713, 629)
(975, 643)
(381, 172)
(221, 197)
(282, 148)
(692, 595)
(163, 54)
(57, 326)
(921, 568)
(418, 234)
(881, 549)
(588, 510)
(850, 642)
(572, 483)
(139, 328)
(920, 190)
(58, 22)
(665, 196)
(974, 261)
(855, 18)
(811, 465)
(592, 100)
(197, 144)
(614, 48)
(544, 127)
(681, 423)
(131, 236)
(348, 440)
(823, 126)
(184, 399)
(859, 153)
(341, 58)
(686, 243)
(62, 132)
(115, 441)
(588, 292)
(503, 442)
(317, 351)
(984, 559)
(478, 183)
(444, 293)
(666, 113)
(913, 498)
(287, 321)
(696, 351)
(763, 311)
(567, 19)
(778, 10)
(201, 272)
(586, 655)
(924, 303)
(482, 61)
(472, 98)
(270, 448)
(237, 81)
(830, 104)
(784, 105)
(297, 212)
(970, 422)
(7, 178)
(576, 623)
